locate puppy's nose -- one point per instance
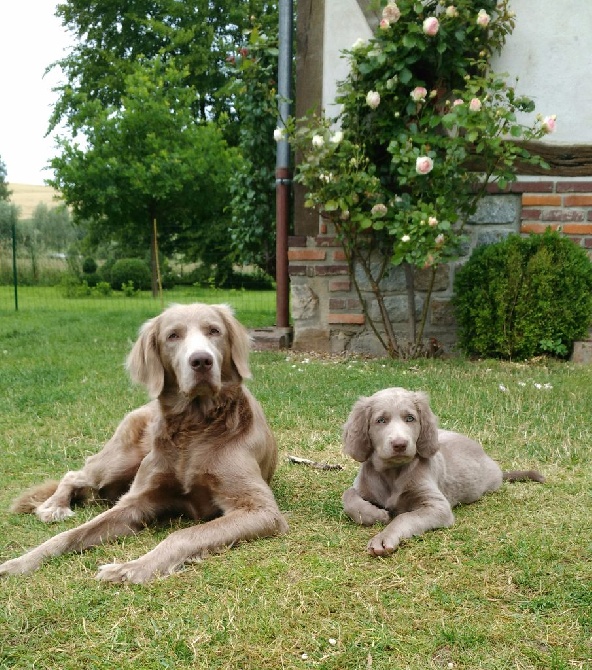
(201, 360)
(398, 445)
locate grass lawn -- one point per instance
(508, 587)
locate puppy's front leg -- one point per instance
(437, 514)
(361, 511)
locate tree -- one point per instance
(147, 159)
(5, 192)
(425, 127)
(253, 185)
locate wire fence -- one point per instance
(46, 284)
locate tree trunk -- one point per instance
(153, 251)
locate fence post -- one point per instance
(14, 275)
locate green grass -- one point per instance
(506, 588)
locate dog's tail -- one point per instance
(523, 476)
(29, 500)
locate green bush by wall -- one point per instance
(523, 297)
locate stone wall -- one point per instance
(327, 313)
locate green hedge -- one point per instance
(523, 297)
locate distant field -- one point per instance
(27, 197)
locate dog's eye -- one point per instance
(381, 419)
(173, 336)
(214, 330)
(409, 418)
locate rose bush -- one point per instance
(425, 126)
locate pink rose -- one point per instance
(379, 209)
(424, 165)
(483, 18)
(433, 221)
(373, 99)
(475, 105)
(451, 11)
(384, 24)
(458, 102)
(431, 26)
(391, 13)
(549, 123)
(418, 94)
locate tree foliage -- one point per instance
(151, 121)
(4, 190)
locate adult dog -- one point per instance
(201, 448)
(411, 470)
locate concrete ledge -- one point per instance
(582, 352)
(271, 339)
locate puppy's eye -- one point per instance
(174, 335)
(409, 418)
(214, 330)
(381, 419)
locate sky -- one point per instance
(31, 38)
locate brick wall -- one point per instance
(326, 310)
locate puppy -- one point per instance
(412, 472)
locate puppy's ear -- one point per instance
(427, 442)
(240, 342)
(356, 439)
(143, 362)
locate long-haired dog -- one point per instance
(201, 447)
(412, 473)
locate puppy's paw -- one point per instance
(383, 544)
(52, 513)
(371, 515)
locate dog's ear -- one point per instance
(240, 341)
(143, 362)
(427, 442)
(356, 439)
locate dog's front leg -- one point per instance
(436, 514)
(197, 542)
(118, 521)
(361, 511)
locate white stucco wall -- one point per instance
(550, 51)
(344, 24)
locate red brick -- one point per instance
(577, 229)
(532, 227)
(339, 255)
(337, 303)
(297, 270)
(563, 215)
(356, 319)
(531, 214)
(542, 200)
(297, 241)
(340, 285)
(326, 270)
(574, 187)
(306, 255)
(578, 201)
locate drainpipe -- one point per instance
(283, 177)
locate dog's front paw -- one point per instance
(132, 572)
(383, 544)
(370, 515)
(52, 513)
(17, 566)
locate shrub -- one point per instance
(89, 266)
(524, 297)
(132, 270)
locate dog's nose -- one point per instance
(398, 445)
(201, 360)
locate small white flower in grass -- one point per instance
(502, 388)
(304, 657)
(332, 641)
(538, 386)
(521, 383)
(548, 386)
